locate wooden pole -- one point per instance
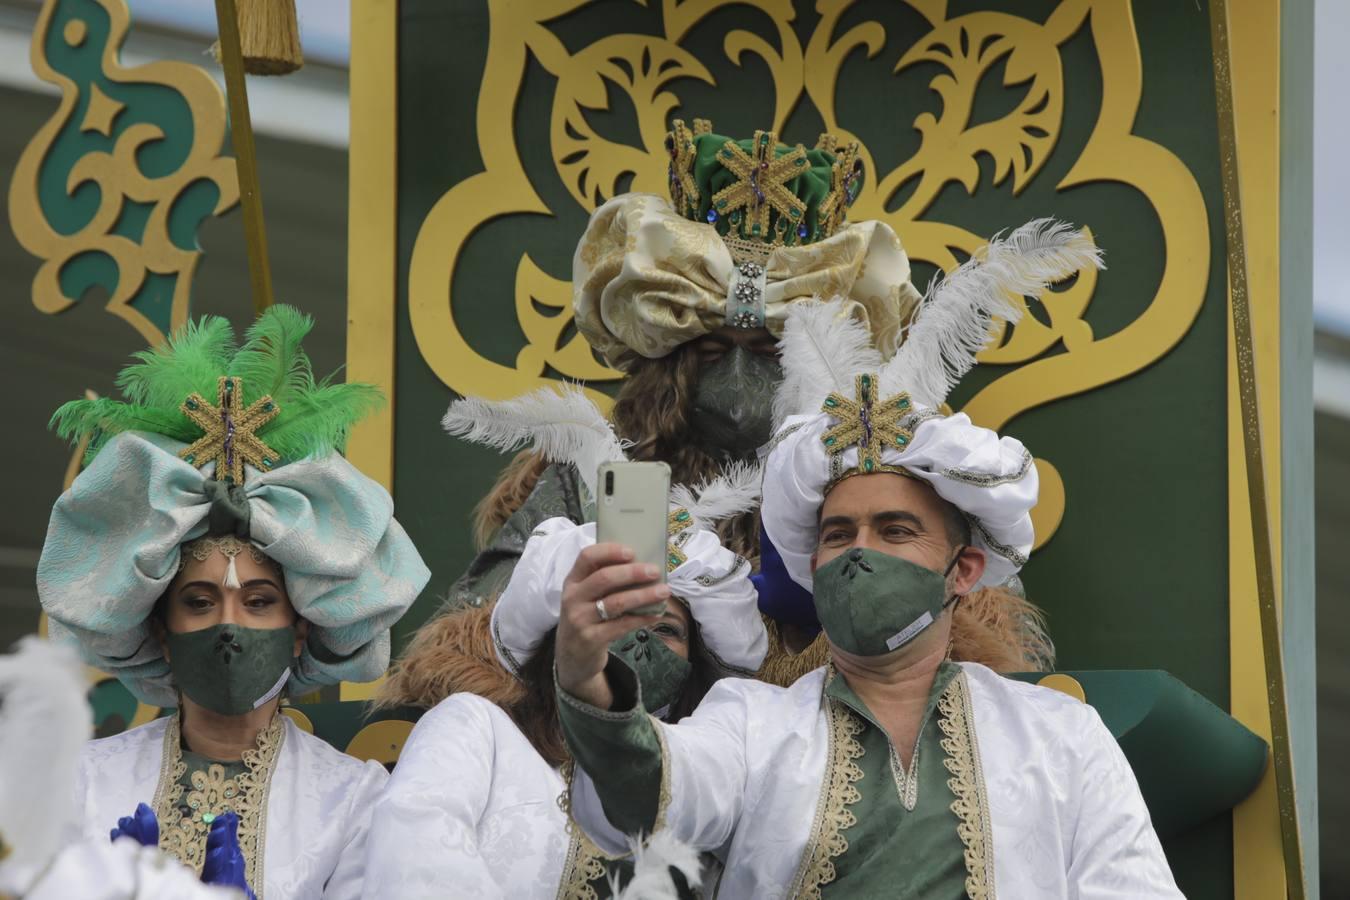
(1271, 642)
(245, 157)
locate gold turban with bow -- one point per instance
(647, 278)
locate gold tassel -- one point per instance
(269, 37)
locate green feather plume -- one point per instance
(315, 417)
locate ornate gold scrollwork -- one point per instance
(135, 142)
(1054, 356)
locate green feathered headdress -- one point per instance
(257, 403)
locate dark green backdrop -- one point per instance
(1136, 576)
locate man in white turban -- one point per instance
(892, 771)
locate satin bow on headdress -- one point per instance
(646, 280)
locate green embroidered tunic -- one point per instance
(903, 842)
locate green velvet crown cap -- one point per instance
(257, 403)
(758, 191)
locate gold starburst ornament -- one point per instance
(867, 423)
(230, 439)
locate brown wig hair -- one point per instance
(653, 409)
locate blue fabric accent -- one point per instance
(141, 825)
(224, 862)
(781, 598)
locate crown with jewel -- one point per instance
(760, 194)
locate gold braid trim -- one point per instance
(585, 862)
(184, 837)
(967, 783)
(838, 793)
(583, 865)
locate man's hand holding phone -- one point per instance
(605, 584)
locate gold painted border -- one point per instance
(1254, 36)
(1254, 43)
(372, 239)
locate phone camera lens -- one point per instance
(609, 484)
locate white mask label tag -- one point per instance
(904, 636)
(276, 688)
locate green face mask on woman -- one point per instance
(871, 603)
(230, 669)
(660, 671)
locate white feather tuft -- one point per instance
(952, 322)
(734, 491)
(652, 863)
(44, 723)
(563, 426)
(822, 349)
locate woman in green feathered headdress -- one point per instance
(216, 552)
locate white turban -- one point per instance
(991, 479)
(712, 581)
(839, 393)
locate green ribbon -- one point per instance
(229, 508)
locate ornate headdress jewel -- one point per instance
(867, 424)
(765, 206)
(230, 438)
(679, 522)
(684, 193)
(846, 179)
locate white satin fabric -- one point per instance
(470, 811)
(992, 479)
(1067, 818)
(318, 808)
(712, 581)
(98, 869)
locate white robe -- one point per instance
(470, 811)
(98, 869)
(318, 806)
(1067, 819)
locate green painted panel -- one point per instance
(1136, 576)
(70, 208)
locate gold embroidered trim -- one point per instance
(868, 423)
(230, 436)
(838, 792)
(971, 806)
(583, 865)
(585, 862)
(184, 837)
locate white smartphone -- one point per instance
(634, 510)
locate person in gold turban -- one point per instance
(687, 295)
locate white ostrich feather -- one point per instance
(652, 863)
(822, 349)
(44, 722)
(952, 322)
(562, 425)
(734, 491)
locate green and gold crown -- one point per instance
(760, 194)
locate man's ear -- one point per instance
(301, 633)
(968, 570)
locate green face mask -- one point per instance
(733, 403)
(229, 669)
(661, 672)
(871, 603)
